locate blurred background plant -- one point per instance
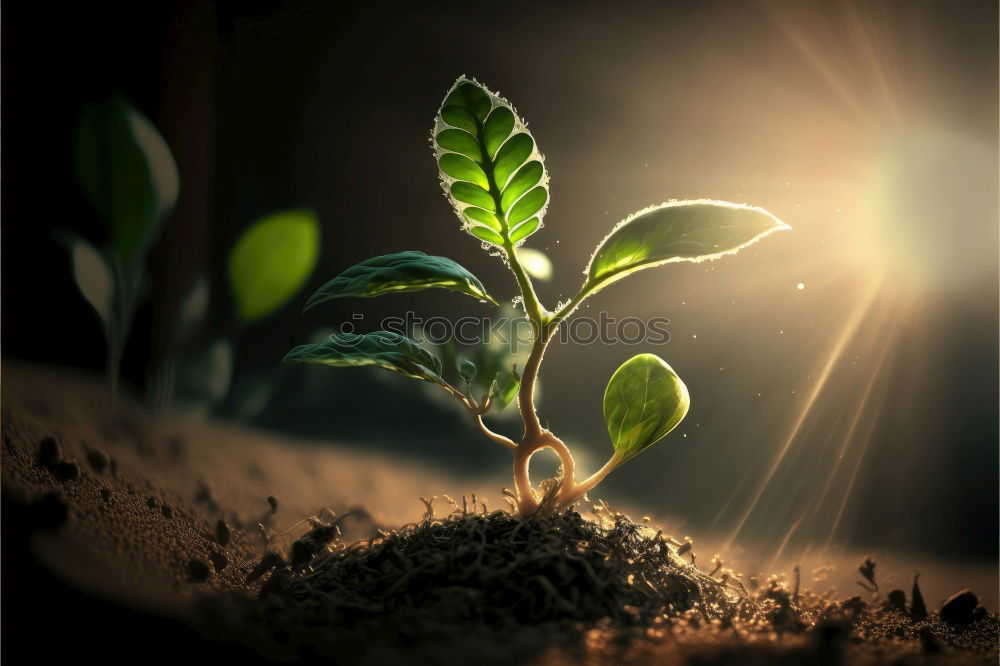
(127, 172)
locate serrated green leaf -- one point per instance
(398, 273)
(383, 349)
(272, 260)
(128, 173)
(696, 230)
(506, 167)
(644, 401)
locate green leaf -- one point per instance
(535, 263)
(467, 369)
(383, 349)
(92, 274)
(202, 380)
(645, 400)
(677, 231)
(397, 273)
(126, 170)
(489, 163)
(272, 260)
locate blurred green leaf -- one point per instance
(535, 263)
(202, 380)
(644, 401)
(383, 349)
(272, 260)
(93, 276)
(126, 170)
(467, 369)
(398, 273)
(677, 231)
(489, 165)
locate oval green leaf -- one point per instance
(677, 231)
(398, 273)
(92, 274)
(272, 260)
(644, 401)
(472, 194)
(460, 167)
(460, 141)
(504, 151)
(383, 349)
(128, 173)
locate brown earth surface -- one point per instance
(143, 497)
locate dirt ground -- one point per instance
(112, 523)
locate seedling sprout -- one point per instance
(495, 178)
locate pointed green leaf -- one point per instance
(272, 260)
(504, 167)
(126, 170)
(398, 273)
(644, 401)
(677, 231)
(383, 349)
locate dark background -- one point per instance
(269, 105)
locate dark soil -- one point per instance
(496, 588)
(172, 535)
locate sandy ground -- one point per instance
(143, 498)
(136, 521)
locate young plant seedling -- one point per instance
(128, 174)
(495, 178)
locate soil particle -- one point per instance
(222, 533)
(219, 561)
(49, 453)
(167, 511)
(928, 641)
(273, 503)
(152, 503)
(958, 609)
(896, 599)
(66, 470)
(918, 609)
(98, 460)
(269, 561)
(105, 494)
(198, 571)
(48, 513)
